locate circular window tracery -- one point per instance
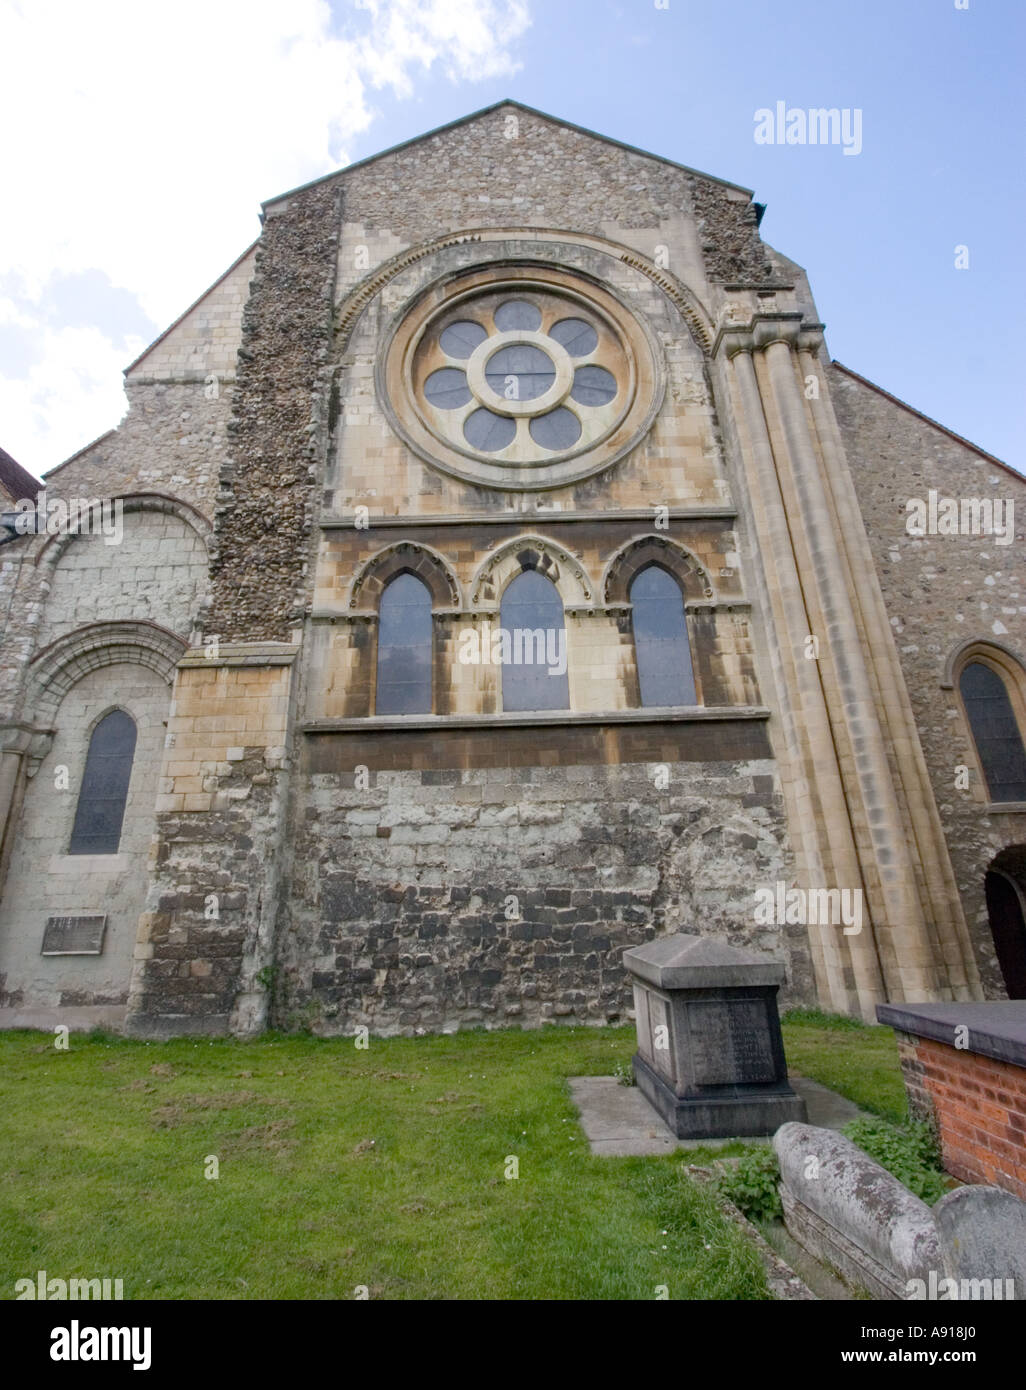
(519, 380)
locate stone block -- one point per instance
(982, 1234)
(852, 1214)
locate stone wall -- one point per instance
(502, 881)
(43, 879)
(215, 870)
(260, 564)
(157, 573)
(941, 591)
(541, 173)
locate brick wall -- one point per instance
(979, 1106)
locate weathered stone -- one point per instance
(983, 1238)
(853, 1214)
(710, 1056)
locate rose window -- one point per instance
(519, 381)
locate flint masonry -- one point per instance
(511, 375)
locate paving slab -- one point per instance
(619, 1122)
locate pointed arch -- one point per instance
(534, 668)
(406, 557)
(405, 653)
(532, 552)
(640, 552)
(662, 647)
(989, 680)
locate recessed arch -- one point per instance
(54, 670)
(54, 546)
(1005, 893)
(533, 243)
(640, 552)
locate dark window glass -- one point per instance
(447, 388)
(517, 315)
(404, 648)
(488, 432)
(460, 339)
(520, 372)
(101, 800)
(661, 642)
(559, 429)
(534, 671)
(593, 386)
(578, 337)
(995, 731)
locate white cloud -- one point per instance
(139, 140)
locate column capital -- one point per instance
(761, 330)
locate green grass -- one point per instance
(856, 1059)
(103, 1149)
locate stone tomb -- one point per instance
(710, 1056)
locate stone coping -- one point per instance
(996, 1029)
(652, 715)
(686, 962)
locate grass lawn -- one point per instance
(852, 1058)
(341, 1167)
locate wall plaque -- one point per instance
(730, 1042)
(74, 936)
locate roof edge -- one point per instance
(487, 111)
(79, 452)
(186, 312)
(13, 472)
(960, 439)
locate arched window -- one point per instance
(661, 645)
(404, 648)
(995, 732)
(533, 645)
(101, 800)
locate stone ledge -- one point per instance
(242, 654)
(996, 1029)
(331, 521)
(691, 715)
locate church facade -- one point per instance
(493, 571)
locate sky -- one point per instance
(139, 140)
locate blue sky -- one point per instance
(156, 197)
